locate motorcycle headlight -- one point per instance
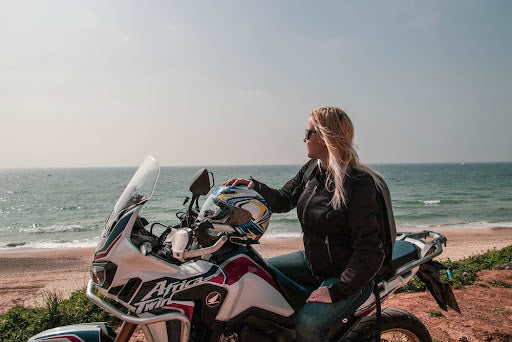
(98, 274)
(102, 273)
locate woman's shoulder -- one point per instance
(309, 167)
(359, 173)
(361, 176)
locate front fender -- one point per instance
(86, 332)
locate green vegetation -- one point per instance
(20, 323)
(435, 313)
(502, 311)
(464, 272)
(501, 283)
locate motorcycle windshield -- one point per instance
(139, 190)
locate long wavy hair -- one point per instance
(335, 128)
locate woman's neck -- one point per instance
(324, 162)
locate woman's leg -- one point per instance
(294, 278)
(293, 265)
(315, 319)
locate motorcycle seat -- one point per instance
(403, 252)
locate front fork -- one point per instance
(125, 332)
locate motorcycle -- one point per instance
(196, 281)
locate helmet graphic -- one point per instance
(237, 206)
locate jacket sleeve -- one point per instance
(368, 252)
(284, 199)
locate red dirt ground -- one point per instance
(486, 310)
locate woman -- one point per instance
(337, 207)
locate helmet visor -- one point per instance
(215, 209)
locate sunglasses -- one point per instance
(308, 133)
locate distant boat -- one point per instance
(462, 163)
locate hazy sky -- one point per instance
(104, 83)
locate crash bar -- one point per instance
(185, 326)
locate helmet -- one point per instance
(239, 207)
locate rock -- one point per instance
(507, 266)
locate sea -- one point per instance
(68, 208)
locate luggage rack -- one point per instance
(429, 250)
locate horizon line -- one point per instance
(462, 163)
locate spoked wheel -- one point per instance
(398, 335)
(397, 325)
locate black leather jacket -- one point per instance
(340, 243)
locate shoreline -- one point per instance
(271, 235)
(26, 275)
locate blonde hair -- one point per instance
(335, 128)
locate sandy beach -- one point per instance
(26, 275)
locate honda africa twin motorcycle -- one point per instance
(202, 280)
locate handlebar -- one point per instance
(180, 241)
(208, 250)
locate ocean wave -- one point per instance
(7, 229)
(55, 229)
(453, 226)
(70, 208)
(50, 244)
(273, 236)
(285, 220)
(418, 216)
(431, 202)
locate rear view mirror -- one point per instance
(200, 184)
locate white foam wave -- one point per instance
(275, 236)
(453, 226)
(54, 229)
(50, 244)
(431, 202)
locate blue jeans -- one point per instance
(315, 319)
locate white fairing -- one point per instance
(252, 291)
(124, 253)
(70, 333)
(134, 264)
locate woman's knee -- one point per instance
(310, 327)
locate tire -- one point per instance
(396, 325)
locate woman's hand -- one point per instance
(320, 295)
(240, 181)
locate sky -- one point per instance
(105, 83)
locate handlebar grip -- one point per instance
(202, 251)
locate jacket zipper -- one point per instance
(307, 203)
(328, 248)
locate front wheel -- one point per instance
(396, 325)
